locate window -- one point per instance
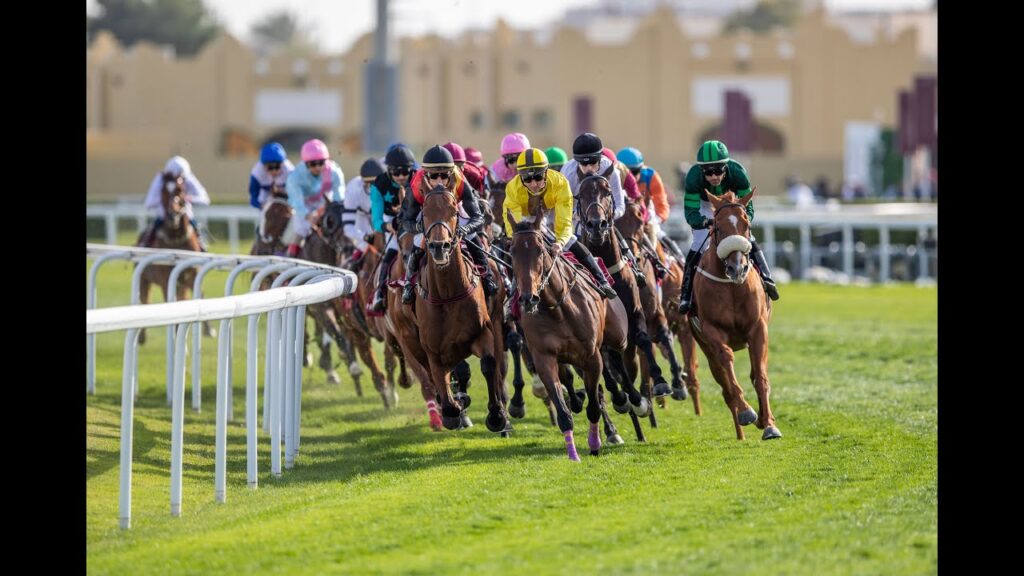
(476, 119)
(541, 119)
(510, 119)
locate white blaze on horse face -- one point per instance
(735, 221)
(171, 186)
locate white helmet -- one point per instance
(178, 166)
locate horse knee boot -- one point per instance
(480, 259)
(686, 298)
(379, 301)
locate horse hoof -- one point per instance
(615, 440)
(466, 422)
(210, 332)
(355, 369)
(771, 433)
(644, 408)
(505, 434)
(393, 395)
(747, 417)
(463, 399)
(332, 378)
(495, 422)
(661, 401)
(620, 407)
(404, 382)
(679, 394)
(517, 411)
(308, 360)
(662, 389)
(451, 422)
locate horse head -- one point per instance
(172, 197)
(596, 209)
(529, 260)
(440, 224)
(731, 236)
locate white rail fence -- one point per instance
(308, 283)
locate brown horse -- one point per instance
(671, 289)
(454, 317)
(273, 230)
(176, 232)
(565, 320)
(595, 214)
(633, 229)
(327, 244)
(732, 313)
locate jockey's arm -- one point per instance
(152, 201)
(195, 192)
(408, 215)
(659, 197)
(295, 197)
(618, 196)
(376, 208)
(691, 200)
(515, 201)
(563, 213)
(254, 191)
(471, 204)
(354, 200)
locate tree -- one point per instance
(282, 32)
(766, 15)
(185, 24)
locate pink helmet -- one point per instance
(458, 154)
(474, 156)
(314, 150)
(608, 154)
(514, 143)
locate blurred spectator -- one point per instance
(799, 194)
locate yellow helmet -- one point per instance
(531, 159)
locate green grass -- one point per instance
(850, 489)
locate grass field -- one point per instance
(849, 489)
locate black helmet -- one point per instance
(587, 144)
(371, 169)
(438, 157)
(399, 155)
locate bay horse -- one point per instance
(732, 313)
(633, 230)
(274, 232)
(595, 215)
(327, 244)
(671, 289)
(176, 232)
(453, 316)
(565, 320)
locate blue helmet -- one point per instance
(272, 152)
(631, 157)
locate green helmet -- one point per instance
(556, 155)
(712, 152)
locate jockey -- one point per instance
(658, 206)
(474, 156)
(439, 170)
(272, 170)
(195, 193)
(716, 173)
(504, 169)
(632, 191)
(475, 175)
(556, 158)
(386, 194)
(534, 178)
(356, 218)
(317, 181)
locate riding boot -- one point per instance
(641, 278)
(587, 259)
(411, 267)
(380, 303)
(672, 247)
(149, 236)
(686, 298)
(757, 257)
(480, 259)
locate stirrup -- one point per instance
(379, 303)
(408, 293)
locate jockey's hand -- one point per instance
(370, 238)
(312, 217)
(556, 248)
(357, 254)
(708, 223)
(293, 250)
(462, 231)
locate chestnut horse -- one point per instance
(732, 313)
(274, 231)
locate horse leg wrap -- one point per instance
(570, 446)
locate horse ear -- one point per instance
(511, 219)
(746, 199)
(608, 173)
(715, 200)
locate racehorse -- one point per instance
(732, 313)
(274, 232)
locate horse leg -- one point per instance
(451, 410)
(324, 343)
(611, 433)
(362, 345)
(547, 370)
(720, 360)
(576, 397)
(390, 364)
(497, 418)
(688, 346)
(591, 375)
(618, 367)
(645, 390)
(517, 407)
(664, 341)
(307, 359)
(639, 404)
(643, 342)
(759, 377)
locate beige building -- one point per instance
(655, 88)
